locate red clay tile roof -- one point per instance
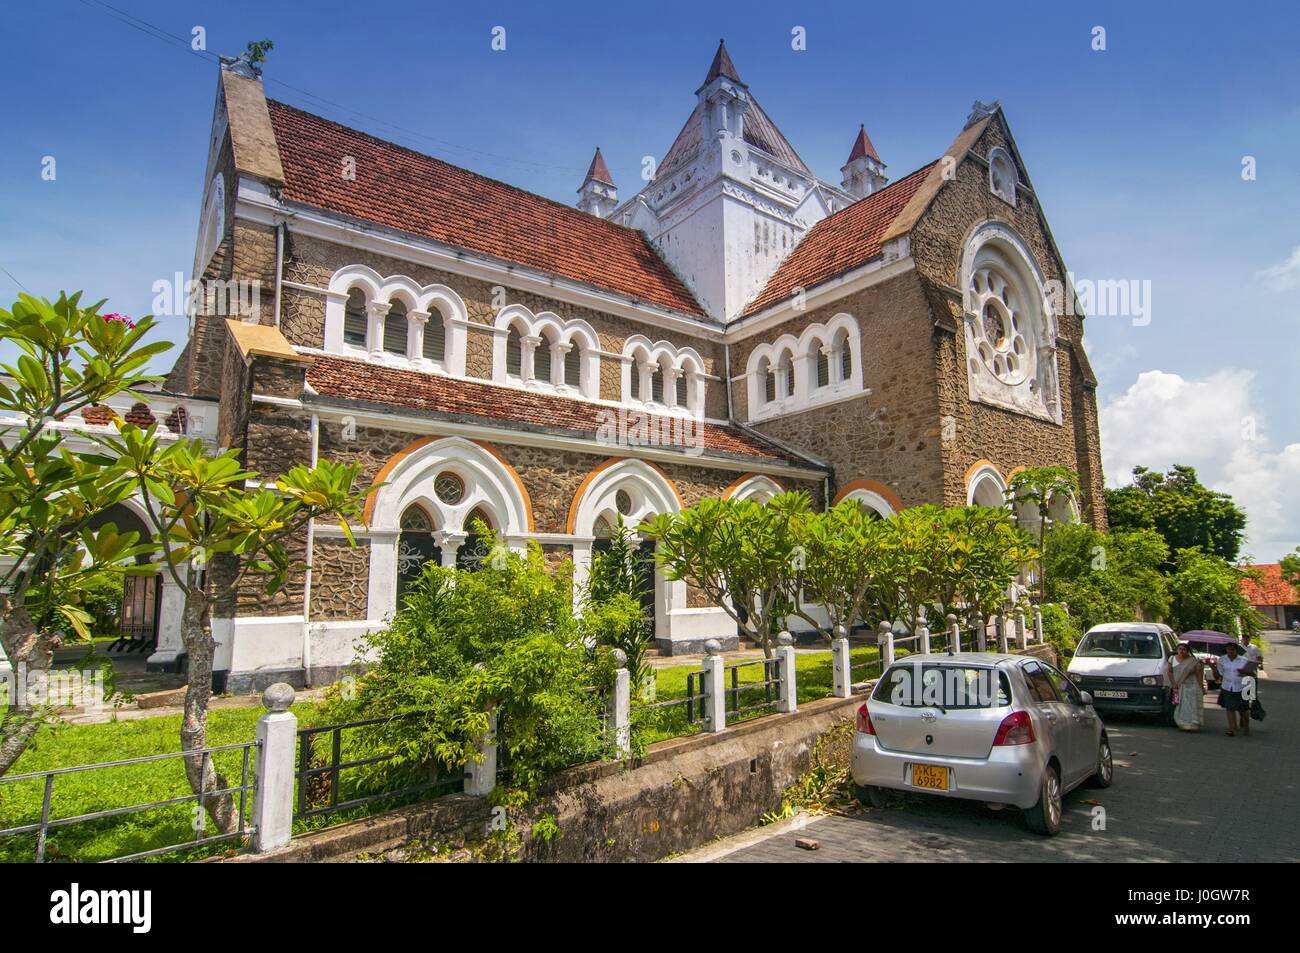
(471, 401)
(862, 146)
(840, 242)
(411, 192)
(1271, 589)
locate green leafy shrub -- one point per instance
(502, 637)
(1061, 630)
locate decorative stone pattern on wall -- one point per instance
(340, 579)
(1009, 440)
(891, 435)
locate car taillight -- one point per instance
(1016, 729)
(864, 721)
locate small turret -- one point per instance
(598, 195)
(864, 173)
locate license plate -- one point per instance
(930, 776)
(1104, 693)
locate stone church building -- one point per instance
(737, 327)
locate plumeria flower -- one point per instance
(114, 316)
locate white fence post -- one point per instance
(618, 706)
(885, 639)
(1000, 627)
(981, 632)
(954, 633)
(715, 698)
(277, 739)
(481, 775)
(1038, 624)
(789, 698)
(1022, 634)
(841, 665)
(924, 633)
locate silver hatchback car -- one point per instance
(1004, 729)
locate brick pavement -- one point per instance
(1176, 797)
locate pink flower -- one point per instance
(119, 317)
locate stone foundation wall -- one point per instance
(339, 579)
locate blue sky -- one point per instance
(1135, 152)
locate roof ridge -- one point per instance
(567, 209)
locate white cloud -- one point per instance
(1210, 424)
(1285, 276)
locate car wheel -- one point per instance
(1045, 816)
(869, 795)
(1105, 773)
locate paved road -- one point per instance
(1176, 797)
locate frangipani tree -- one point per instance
(1040, 488)
(841, 561)
(208, 519)
(70, 357)
(742, 554)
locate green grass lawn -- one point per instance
(108, 788)
(813, 679)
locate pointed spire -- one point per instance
(862, 146)
(598, 195)
(598, 170)
(722, 66)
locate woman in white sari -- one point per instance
(1185, 674)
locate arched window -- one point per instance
(769, 381)
(1002, 175)
(681, 389)
(573, 365)
(823, 366)
(656, 385)
(474, 550)
(354, 319)
(785, 372)
(435, 339)
(514, 353)
(542, 360)
(845, 354)
(396, 326)
(415, 547)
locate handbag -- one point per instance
(1257, 712)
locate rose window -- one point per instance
(448, 488)
(1000, 331)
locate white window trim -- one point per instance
(560, 335)
(803, 352)
(423, 303)
(641, 357)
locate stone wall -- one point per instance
(890, 435)
(339, 578)
(1007, 439)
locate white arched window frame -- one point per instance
(872, 501)
(1002, 175)
(423, 303)
(560, 338)
(1010, 325)
(986, 487)
(801, 355)
(652, 372)
(758, 488)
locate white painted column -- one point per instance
(885, 639)
(841, 665)
(1000, 626)
(581, 569)
(1038, 625)
(449, 544)
(558, 353)
(981, 632)
(1022, 634)
(277, 734)
(481, 775)
(789, 697)
(924, 633)
(381, 594)
(619, 707)
(954, 633)
(415, 336)
(527, 349)
(171, 610)
(375, 313)
(715, 701)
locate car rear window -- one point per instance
(1120, 645)
(929, 685)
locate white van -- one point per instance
(1122, 665)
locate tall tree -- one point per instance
(71, 357)
(1180, 509)
(204, 515)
